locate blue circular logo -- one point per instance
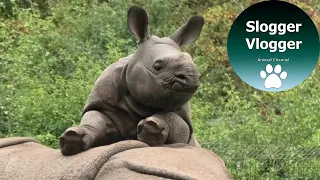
(273, 46)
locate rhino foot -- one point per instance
(152, 131)
(74, 140)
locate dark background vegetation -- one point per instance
(51, 53)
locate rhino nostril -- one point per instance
(181, 76)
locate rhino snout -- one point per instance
(186, 82)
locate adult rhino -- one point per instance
(23, 158)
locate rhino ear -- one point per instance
(189, 32)
(138, 23)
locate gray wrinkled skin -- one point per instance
(143, 96)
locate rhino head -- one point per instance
(159, 74)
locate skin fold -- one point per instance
(143, 96)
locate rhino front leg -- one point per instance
(94, 130)
(164, 128)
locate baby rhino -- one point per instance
(143, 96)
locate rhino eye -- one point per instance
(157, 67)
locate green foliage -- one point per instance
(51, 53)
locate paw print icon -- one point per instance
(273, 77)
